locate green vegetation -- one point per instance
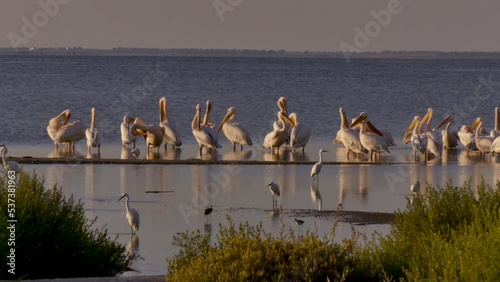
(447, 234)
(53, 238)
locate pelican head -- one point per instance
(282, 105)
(293, 117)
(427, 116)
(408, 132)
(231, 112)
(446, 120)
(282, 115)
(363, 118)
(477, 123)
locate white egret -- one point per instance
(415, 187)
(8, 165)
(171, 136)
(56, 123)
(153, 134)
(300, 133)
(275, 191)
(450, 138)
(126, 134)
(132, 215)
(203, 138)
(233, 131)
(94, 135)
(348, 137)
(70, 134)
(316, 169)
(371, 141)
(277, 137)
(483, 142)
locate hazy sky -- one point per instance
(461, 25)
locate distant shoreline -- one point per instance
(78, 51)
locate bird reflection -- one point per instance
(237, 156)
(212, 156)
(153, 155)
(363, 182)
(275, 157)
(64, 152)
(316, 196)
(207, 227)
(298, 157)
(133, 244)
(94, 156)
(174, 154)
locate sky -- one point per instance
(293, 25)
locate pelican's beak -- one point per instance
(287, 119)
(408, 131)
(474, 125)
(227, 117)
(67, 117)
(359, 120)
(445, 121)
(283, 104)
(372, 128)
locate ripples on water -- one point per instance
(34, 89)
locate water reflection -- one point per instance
(133, 244)
(64, 152)
(316, 196)
(237, 156)
(172, 154)
(299, 156)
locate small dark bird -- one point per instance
(209, 210)
(299, 222)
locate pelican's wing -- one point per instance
(300, 135)
(237, 134)
(170, 134)
(495, 145)
(270, 138)
(374, 142)
(70, 133)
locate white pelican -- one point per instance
(434, 139)
(415, 188)
(56, 123)
(277, 137)
(94, 135)
(467, 138)
(282, 105)
(8, 165)
(153, 134)
(127, 137)
(418, 141)
(275, 191)
(316, 169)
(233, 131)
(496, 131)
(208, 126)
(132, 215)
(203, 138)
(171, 136)
(70, 134)
(450, 138)
(348, 137)
(483, 142)
(300, 133)
(372, 141)
(389, 140)
(495, 146)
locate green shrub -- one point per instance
(53, 236)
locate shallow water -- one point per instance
(240, 191)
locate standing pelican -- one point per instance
(8, 165)
(373, 142)
(56, 123)
(94, 135)
(495, 146)
(316, 169)
(127, 137)
(389, 140)
(450, 138)
(277, 137)
(70, 134)
(434, 139)
(418, 141)
(208, 126)
(466, 138)
(171, 136)
(153, 134)
(348, 137)
(300, 133)
(203, 138)
(233, 131)
(483, 143)
(132, 215)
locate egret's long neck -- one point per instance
(321, 157)
(127, 205)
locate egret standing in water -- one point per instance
(132, 215)
(8, 165)
(316, 169)
(275, 191)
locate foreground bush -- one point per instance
(446, 234)
(53, 236)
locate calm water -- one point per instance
(34, 89)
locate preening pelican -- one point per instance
(132, 215)
(56, 123)
(348, 137)
(70, 134)
(496, 131)
(434, 139)
(277, 137)
(483, 143)
(316, 169)
(94, 135)
(450, 138)
(282, 105)
(275, 191)
(203, 138)
(233, 131)
(389, 140)
(153, 134)
(127, 137)
(8, 165)
(418, 141)
(171, 136)
(300, 133)
(208, 126)
(372, 141)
